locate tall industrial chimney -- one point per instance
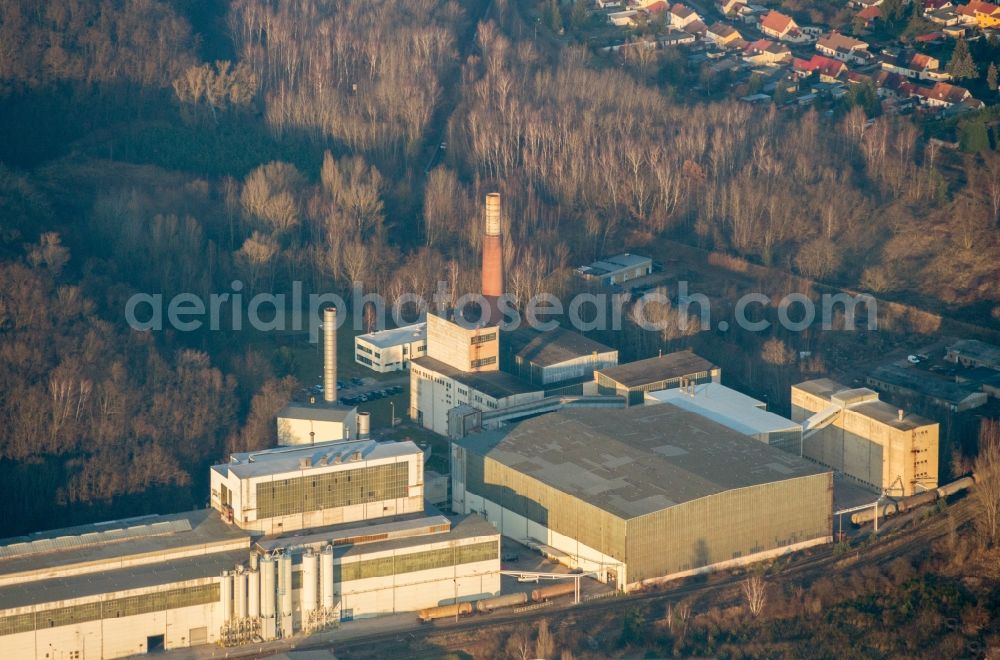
(330, 354)
(493, 257)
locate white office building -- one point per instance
(391, 350)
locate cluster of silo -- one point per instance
(317, 589)
(240, 598)
(257, 604)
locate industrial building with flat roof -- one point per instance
(917, 384)
(634, 379)
(554, 356)
(974, 353)
(309, 423)
(870, 441)
(736, 411)
(643, 493)
(278, 491)
(391, 350)
(139, 585)
(436, 388)
(617, 269)
(116, 588)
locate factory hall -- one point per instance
(642, 494)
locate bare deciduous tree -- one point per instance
(986, 494)
(755, 594)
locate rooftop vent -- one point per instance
(356, 456)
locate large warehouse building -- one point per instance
(870, 441)
(736, 411)
(643, 493)
(135, 586)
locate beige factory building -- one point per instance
(306, 424)
(139, 585)
(633, 379)
(279, 491)
(437, 388)
(641, 494)
(874, 443)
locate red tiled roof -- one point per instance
(920, 62)
(683, 11)
(869, 13)
(656, 7)
(777, 22)
(825, 65)
(948, 93)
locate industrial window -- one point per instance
(418, 561)
(110, 609)
(484, 361)
(331, 490)
(482, 339)
(364, 349)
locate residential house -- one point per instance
(722, 34)
(980, 14)
(682, 15)
(674, 37)
(869, 15)
(607, 4)
(914, 65)
(730, 8)
(867, 3)
(696, 27)
(891, 85)
(829, 69)
(782, 27)
(765, 51)
(945, 95)
(844, 48)
(944, 17)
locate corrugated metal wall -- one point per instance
(545, 505)
(729, 525)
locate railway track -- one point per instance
(800, 567)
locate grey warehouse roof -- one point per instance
(656, 369)
(977, 350)
(553, 347)
(114, 540)
(638, 460)
(396, 336)
(106, 582)
(496, 384)
(319, 412)
(289, 459)
(923, 383)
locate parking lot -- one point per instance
(359, 390)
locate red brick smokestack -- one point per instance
(493, 257)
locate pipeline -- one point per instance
(912, 502)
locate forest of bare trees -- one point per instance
(360, 139)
